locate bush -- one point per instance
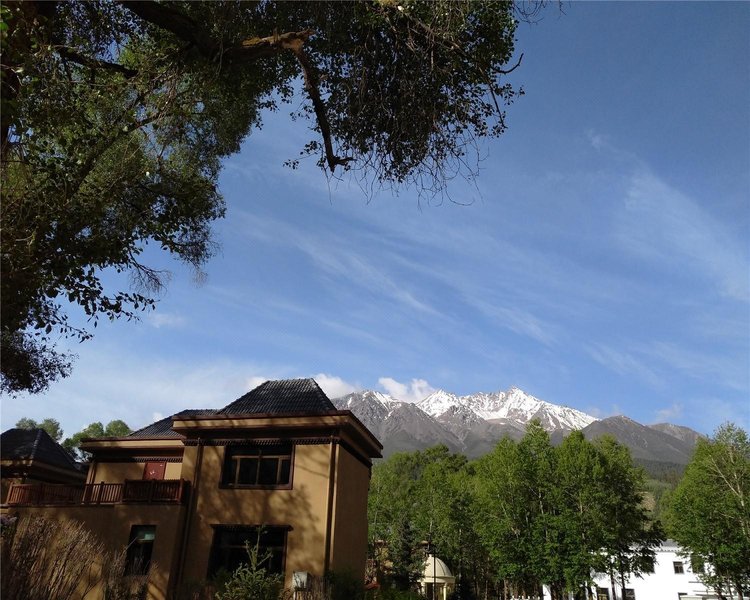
(45, 559)
(251, 581)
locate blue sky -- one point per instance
(602, 262)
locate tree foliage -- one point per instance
(527, 514)
(116, 115)
(51, 426)
(116, 428)
(709, 512)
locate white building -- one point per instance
(437, 581)
(672, 579)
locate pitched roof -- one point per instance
(36, 445)
(284, 396)
(163, 427)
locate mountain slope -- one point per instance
(400, 426)
(645, 443)
(473, 424)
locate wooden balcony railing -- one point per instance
(91, 494)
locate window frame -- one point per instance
(221, 528)
(678, 564)
(256, 451)
(130, 558)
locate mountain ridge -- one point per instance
(473, 424)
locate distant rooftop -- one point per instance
(35, 445)
(163, 427)
(283, 396)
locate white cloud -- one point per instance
(157, 416)
(669, 413)
(253, 382)
(413, 391)
(333, 386)
(161, 319)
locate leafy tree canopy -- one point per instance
(709, 512)
(524, 515)
(116, 115)
(51, 426)
(115, 428)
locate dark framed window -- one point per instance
(229, 548)
(258, 466)
(629, 594)
(140, 549)
(602, 593)
(679, 568)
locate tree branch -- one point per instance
(174, 21)
(93, 63)
(311, 85)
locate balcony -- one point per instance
(132, 491)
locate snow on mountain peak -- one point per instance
(515, 404)
(438, 402)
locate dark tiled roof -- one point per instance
(284, 396)
(163, 428)
(36, 445)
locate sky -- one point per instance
(601, 260)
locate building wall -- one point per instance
(349, 543)
(184, 533)
(117, 472)
(303, 508)
(112, 524)
(663, 583)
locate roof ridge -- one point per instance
(39, 431)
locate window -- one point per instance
(140, 548)
(229, 552)
(679, 569)
(258, 466)
(629, 594)
(602, 593)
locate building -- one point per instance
(280, 467)
(436, 582)
(32, 456)
(673, 578)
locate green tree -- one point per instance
(115, 117)
(630, 536)
(709, 512)
(115, 428)
(51, 426)
(554, 516)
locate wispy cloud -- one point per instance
(669, 413)
(724, 371)
(624, 363)
(413, 391)
(160, 319)
(659, 223)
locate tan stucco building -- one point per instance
(185, 493)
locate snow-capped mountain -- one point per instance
(514, 405)
(473, 424)
(398, 425)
